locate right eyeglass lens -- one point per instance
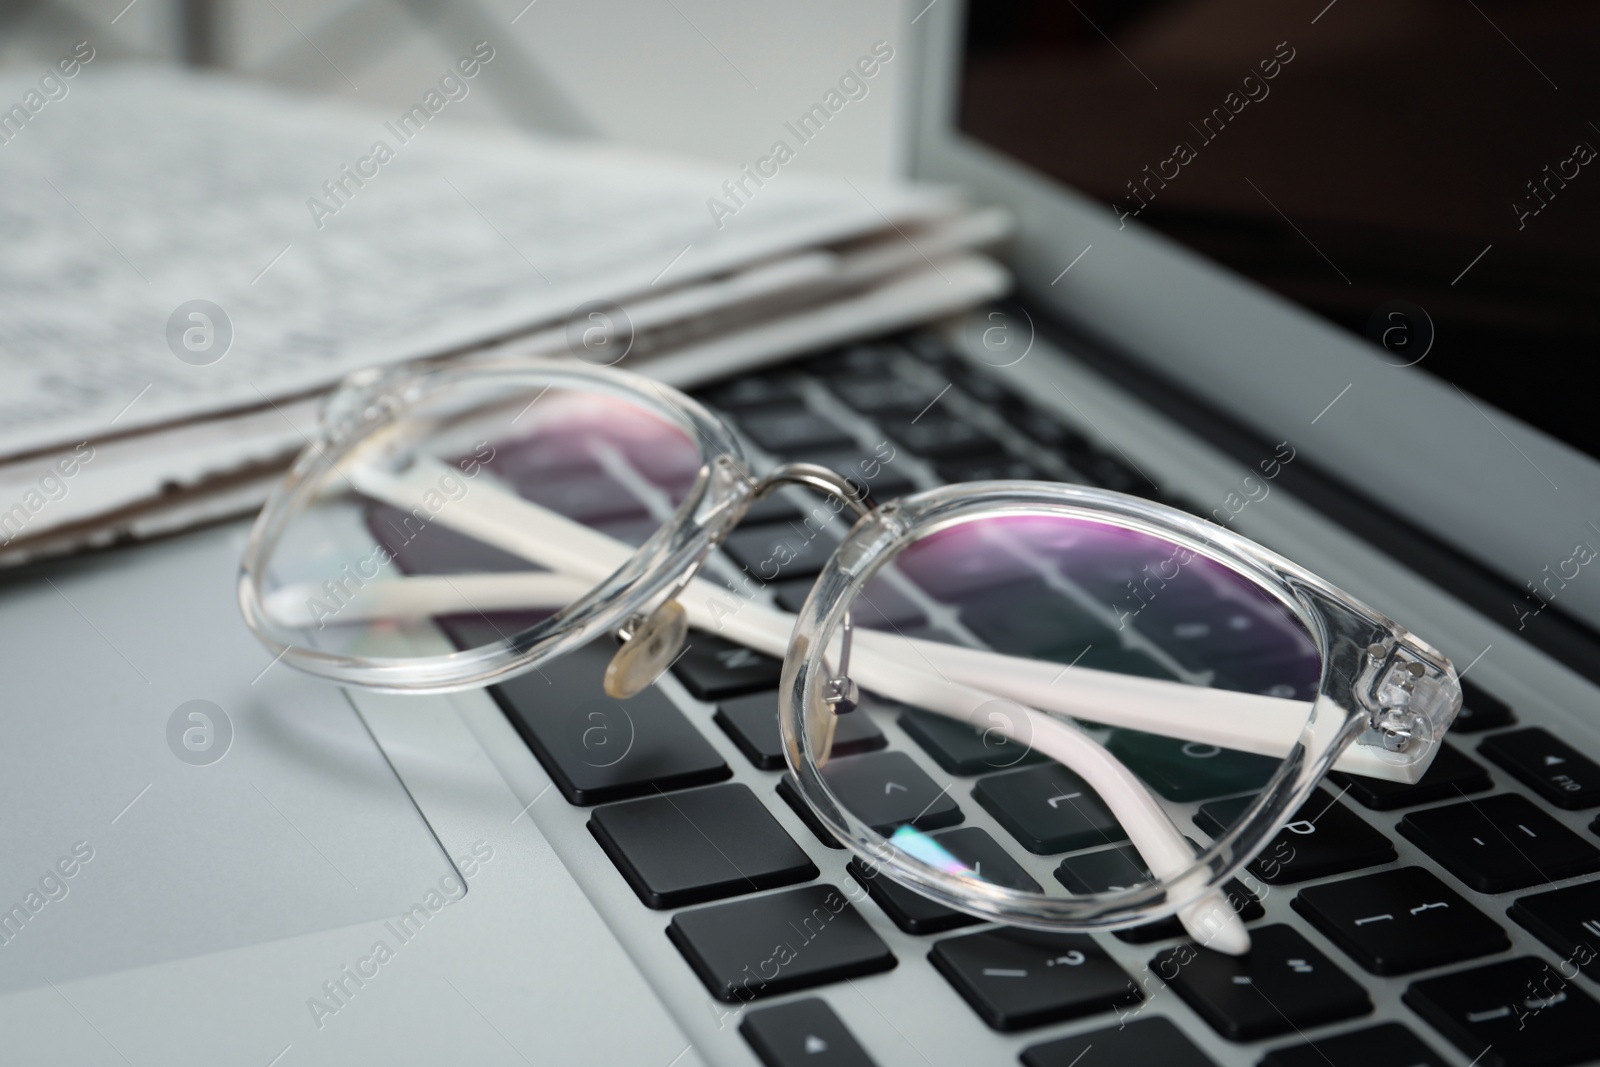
(1078, 605)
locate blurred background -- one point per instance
(703, 77)
(1392, 145)
(1345, 154)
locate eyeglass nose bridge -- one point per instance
(651, 640)
(813, 476)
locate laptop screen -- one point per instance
(1421, 173)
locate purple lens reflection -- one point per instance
(1079, 591)
(601, 461)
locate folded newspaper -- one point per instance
(193, 260)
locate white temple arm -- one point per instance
(1244, 722)
(522, 528)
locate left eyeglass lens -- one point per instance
(424, 518)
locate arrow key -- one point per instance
(887, 790)
(1549, 766)
(714, 669)
(802, 1033)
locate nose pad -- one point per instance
(649, 649)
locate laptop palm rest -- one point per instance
(166, 790)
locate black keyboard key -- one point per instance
(802, 1033)
(929, 347)
(1108, 870)
(776, 508)
(981, 384)
(1480, 711)
(908, 909)
(752, 723)
(873, 472)
(879, 605)
(1400, 921)
(714, 669)
(780, 550)
(785, 430)
(1515, 1013)
(972, 846)
(1499, 843)
(1451, 775)
(1547, 765)
(1297, 676)
(1048, 809)
(883, 393)
(597, 749)
(752, 392)
(1244, 903)
(1324, 838)
(699, 845)
(1122, 868)
(1041, 425)
(1283, 984)
(1136, 1044)
(856, 359)
(1016, 979)
(1029, 619)
(1188, 770)
(1250, 648)
(793, 939)
(938, 435)
(1568, 920)
(790, 794)
(1109, 472)
(995, 468)
(963, 749)
(887, 790)
(1384, 1045)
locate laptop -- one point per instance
(211, 859)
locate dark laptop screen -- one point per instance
(1365, 160)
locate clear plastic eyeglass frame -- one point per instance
(1384, 700)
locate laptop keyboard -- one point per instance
(745, 895)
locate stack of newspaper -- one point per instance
(192, 262)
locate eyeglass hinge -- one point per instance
(841, 692)
(1387, 684)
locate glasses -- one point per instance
(1108, 668)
